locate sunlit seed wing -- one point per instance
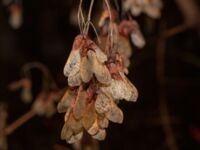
(73, 61)
(115, 114)
(94, 128)
(102, 103)
(67, 114)
(80, 105)
(101, 135)
(130, 89)
(100, 70)
(103, 122)
(66, 132)
(86, 69)
(89, 116)
(75, 138)
(100, 55)
(65, 101)
(75, 125)
(74, 79)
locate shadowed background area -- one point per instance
(166, 73)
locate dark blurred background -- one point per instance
(46, 35)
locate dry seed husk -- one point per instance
(74, 80)
(65, 101)
(75, 125)
(66, 132)
(100, 55)
(75, 138)
(79, 106)
(115, 114)
(101, 135)
(137, 38)
(100, 70)
(89, 116)
(103, 122)
(102, 103)
(94, 128)
(73, 61)
(86, 69)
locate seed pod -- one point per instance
(75, 138)
(89, 116)
(100, 55)
(74, 79)
(66, 132)
(65, 101)
(86, 69)
(102, 103)
(72, 64)
(100, 70)
(103, 122)
(115, 114)
(79, 106)
(94, 128)
(101, 135)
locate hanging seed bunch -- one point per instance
(150, 7)
(96, 77)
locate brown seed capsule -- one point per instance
(89, 116)
(86, 69)
(80, 105)
(100, 70)
(101, 135)
(66, 101)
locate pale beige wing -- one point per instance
(80, 105)
(100, 70)
(101, 135)
(86, 69)
(72, 61)
(66, 101)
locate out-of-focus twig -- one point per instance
(19, 122)
(190, 11)
(160, 73)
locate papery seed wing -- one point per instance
(94, 128)
(100, 70)
(89, 116)
(131, 89)
(75, 125)
(75, 138)
(103, 122)
(66, 132)
(67, 114)
(74, 79)
(101, 135)
(115, 114)
(79, 106)
(102, 103)
(72, 62)
(86, 69)
(100, 55)
(65, 101)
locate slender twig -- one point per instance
(19, 122)
(175, 30)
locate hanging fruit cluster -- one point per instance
(96, 76)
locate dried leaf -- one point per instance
(89, 116)
(100, 70)
(72, 64)
(101, 135)
(79, 106)
(86, 69)
(65, 101)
